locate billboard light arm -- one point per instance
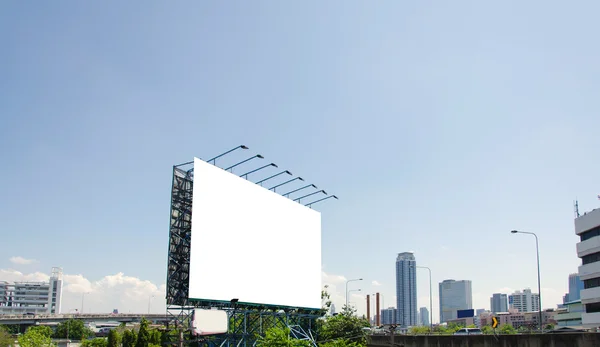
(286, 182)
(243, 161)
(306, 186)
(273, 176)
(260, 168)
(214, 160)
(325, 198)
(307, 195)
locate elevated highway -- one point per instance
(88, 318)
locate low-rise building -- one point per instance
(32, 297)
(519, 319)
(569, 314)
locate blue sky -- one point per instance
(440, 126)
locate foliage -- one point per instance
(155, 337)
(471, 326)
(422, 330)
(487, 330)
(340, 343)
(129, 338)
(325, 300)
(448, 329)
(34, 338)
(97, 342)
(11, 328)
(143, 336)
(5, 337)
(507, 329)
(549, 327)
(75, 328)
(114, 338)
(345, 325)
(42, 329)
(277, 337)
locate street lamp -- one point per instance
(537, 250)
(214, 160)
(430, 297)
(348, 281)
(314, 202)
(83, 296)
(243, 161)
(260, 168)
(307, 195)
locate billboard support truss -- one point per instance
(246, 322)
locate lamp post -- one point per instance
(273, 176)
(83, 296)
(430, 296)
(537, 250)
(260, 168)
(295, 190)
(286, 182)
(314, 202)
(244, 161)
(348, 281)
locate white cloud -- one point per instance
(126, 293)
(21, 261)
(375, 283)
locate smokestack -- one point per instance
(369, 309)
(378, 313)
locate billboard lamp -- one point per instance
(260, 168)
(243, 161)
(214, 160)
(275, 175)
(325, 198)
(286, 182)
(302, 197)
(293, 191)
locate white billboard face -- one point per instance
(251, 244)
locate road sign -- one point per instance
(494, 322)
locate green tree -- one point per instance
(35, 338)
(277, 337)
(155, 337)
(143, 336)
(345, 325)
(97, 342)
(487, 330)
(507, 329)
(75, 328)
(340, 343)
(423, 330)
(5, 337)
(325, 300)
(114, 338)
(129, 338)
(42, 329)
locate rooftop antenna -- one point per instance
(577, 208)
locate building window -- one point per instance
(590, 233)
(591, 283)
(590, 258)
(592, 308)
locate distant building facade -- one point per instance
(499, 303)
(454, 296)
(524, 301)
(520, 319)
(388, 316)
(32, 297)
(587, 227)
(424, 316)
(570, 314)
(406, 289)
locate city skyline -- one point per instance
(437, 138)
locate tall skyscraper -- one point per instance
(525, 301)
(499, 303)
(454, 296)
(575, 287)
(406, 289)
(424, 313)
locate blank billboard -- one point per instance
(251, 244)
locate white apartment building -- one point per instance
(32, 297)
(587, 227)
(524, 301)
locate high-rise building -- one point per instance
(575, 287)
(587, 227)
(388, 316)
(32, 297)
(454, 296)
(499, 303)
(424, 316)
(525, 301)
(406, 289)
